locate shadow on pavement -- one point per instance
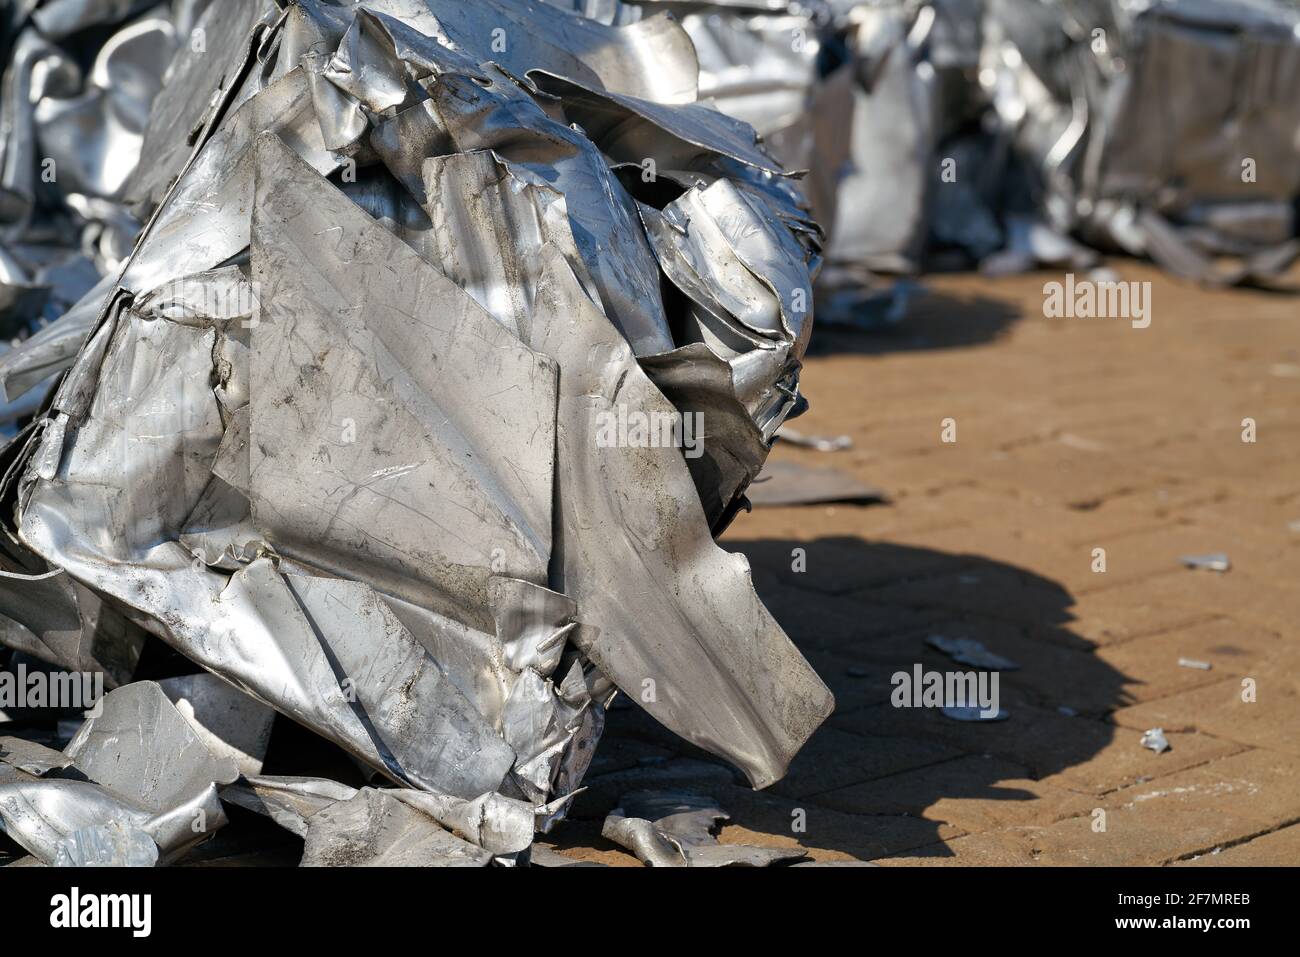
(877, 780)
(934, 320)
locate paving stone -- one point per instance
(1154, 551)
(1260, 786)
(835, 566)
(834, 758)
(1270, 721)
(987, 849)
(1276, 849)
(1071, 753)
(992, 590)
(1151, 668)
(1178, 815)
(974, 793)
(1070, 436)
(863, 837)
(1151, 606)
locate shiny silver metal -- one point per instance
(338, 428)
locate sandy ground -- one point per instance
(1072, 435)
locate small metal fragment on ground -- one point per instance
(676, 829)
(976, 713)
(789, 483)
(968, 651)
(1193, 663)
(818, 443)
(1155, 739)
(543, 856)
(1213, 561)
(836, 864)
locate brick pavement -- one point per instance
(1072, 435)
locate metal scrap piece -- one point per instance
(57, 619)
(42, 815)
(230, 724)
(784, 483)
(147, 772)
(818, 443)
(1214, 561)
(289, 801)
(107, 845)
(30, 757)
(543, 856)
(717, 617)
(1155, 740)
(207, 64)
(968, 651)
(375, 829)
(675, 829)
(142, 748)
(972, 713)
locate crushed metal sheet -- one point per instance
(789, 483)
(1006, 134)
(135, 767)
(230, 723)
(968, 651)
(1155, 740)
(376, 829)
(676, 829)
(818, 443)
(1214, 561)
(973, 713)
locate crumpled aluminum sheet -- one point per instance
(138, 768)
(675, 829)
(334, 430)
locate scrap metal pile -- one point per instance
(392, 364)
(380, 422)
(1010, 134)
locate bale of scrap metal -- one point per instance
(454, 333)
(1159, 129)
(1168, 130)
(1017, 133)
